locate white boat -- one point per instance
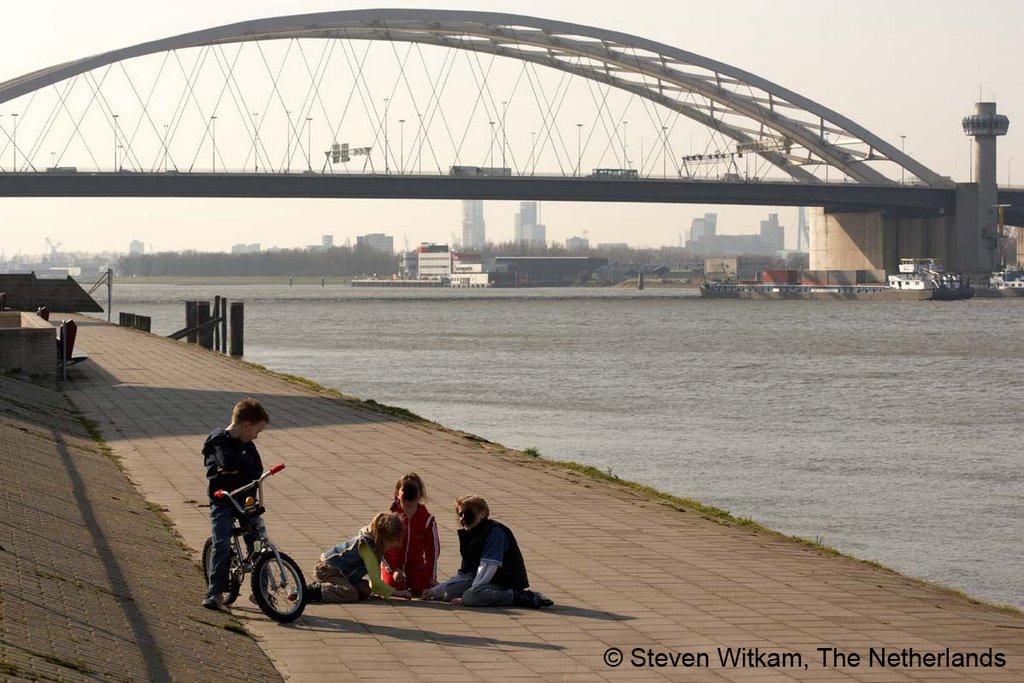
(928, 275)
(1007, 279)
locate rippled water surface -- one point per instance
(889, 430)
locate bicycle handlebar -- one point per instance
(273, 470)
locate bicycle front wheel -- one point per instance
(279, 587)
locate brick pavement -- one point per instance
(625, 570)
(93, 586)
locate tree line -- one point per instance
(357, 261)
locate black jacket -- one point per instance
(223, 453)
(511, 573)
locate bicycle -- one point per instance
(277, 583)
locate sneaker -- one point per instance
(543, 600)
(212, 601)
(527, 598)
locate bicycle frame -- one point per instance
(255, 518)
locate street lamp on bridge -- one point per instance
(625, 159)
(14, 141)
(490, 160)
(309, 143)
(213, 142)
(115, 140)
(166, 126)
(387, 168)
(533, 143)
(256, 142)
(401, 146)
(288, 142)
(903, 171)
(579, 150)
(664, 151)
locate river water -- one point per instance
(888, 430)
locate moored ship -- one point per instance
(922, 279)
(930, 277)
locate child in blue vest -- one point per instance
(492, 572)
(350, 571)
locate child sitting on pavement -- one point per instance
(350, 571)
(493, 572)
(413, 564)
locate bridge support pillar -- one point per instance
(874, 240)
(846, 241)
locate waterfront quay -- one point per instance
(642, 587)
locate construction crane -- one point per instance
(54, 246)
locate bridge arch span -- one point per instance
(790, 131)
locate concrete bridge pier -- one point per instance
(967, 241)
(873, 240)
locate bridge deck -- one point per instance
(915, 200)
(624, 569)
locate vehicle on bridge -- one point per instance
(480, 171)
(613, 173)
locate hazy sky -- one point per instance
(912, 68)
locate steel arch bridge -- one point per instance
(790, 132)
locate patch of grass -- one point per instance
(532, 451)
(9, 668)
(236, 627)
(76, 665)
(93, 430)
(370, 404)
(161, 512)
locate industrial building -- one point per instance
(378, 241)
(548, 271)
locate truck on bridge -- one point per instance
(480, 171)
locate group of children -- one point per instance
(394, 556)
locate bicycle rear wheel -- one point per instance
(279, 588)
(234, 571)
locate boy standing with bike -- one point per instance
(232, 461)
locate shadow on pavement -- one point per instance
(174, 411)
(329, 624)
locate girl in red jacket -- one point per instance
(413, 565)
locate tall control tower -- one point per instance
(984, 125)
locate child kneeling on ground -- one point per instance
(493, 572)
(350, 571)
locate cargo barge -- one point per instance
(918, 279)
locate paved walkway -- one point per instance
(93, 585)
(624, 570)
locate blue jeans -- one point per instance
(484, 595)
(222, 519)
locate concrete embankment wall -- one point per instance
(93, 585)
(27, 345)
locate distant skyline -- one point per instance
(910, 69)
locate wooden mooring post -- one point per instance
(191, 316)
(223, 325)
(205, 334)
(209, 331)
(237, 328)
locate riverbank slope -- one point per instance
(93, 585)
(625, 569)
